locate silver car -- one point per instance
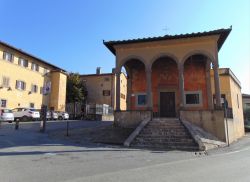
(6, 115)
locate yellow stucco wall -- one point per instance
(97, 83)
(180, 49)
(58, 90)
(232, 91)
(23, 98)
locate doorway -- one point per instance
(167, 104)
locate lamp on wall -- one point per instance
(1, 87)
(9, 89)
(29, 92)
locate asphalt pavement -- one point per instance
(28, 155)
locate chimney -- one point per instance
(98, 70)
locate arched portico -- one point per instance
(136, 70)
(165, 92)
(208, 60)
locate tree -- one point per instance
(76, 90)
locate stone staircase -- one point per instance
(165, 133)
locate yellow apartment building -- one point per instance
(28, 81)
(101, 88)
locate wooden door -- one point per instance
(167, 104)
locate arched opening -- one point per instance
(136, 98)
(165, 92)
(197, 83)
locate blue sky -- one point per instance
(69, 34)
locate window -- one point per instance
(20, 85)
(3, 103)
(34, 88)
(106, 92)
(193, 98)
(41, 90)
(238, 101)
(141, 99)
(123, 96)
(5, 82)
(8, 56)
(23, 62)
(32, 105)
(35, 67)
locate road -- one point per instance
(27, 155)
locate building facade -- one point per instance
(28, 81)
(101, 89)
(170, 77)
(230, 88)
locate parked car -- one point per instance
(63, 116)
(26, 114)
(52, 115)
(6, 115)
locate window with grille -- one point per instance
(141, 99)
(193, 98)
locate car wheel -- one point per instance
(24, 118)
(60, 118)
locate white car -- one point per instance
(6, 115)
(52, 115)
(63, 116)
(26, 114)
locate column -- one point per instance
(129, 91)
(208, 85)
(181, 85)
(217, 86)
(149, 88)
(118, 90)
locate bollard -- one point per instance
(17, 125)
(67, 134)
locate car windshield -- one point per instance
(33, 110)
(7, 111)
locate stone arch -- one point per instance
(198, 52)
(131, 57)
(162, 55)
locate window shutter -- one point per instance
(4, 55)
(16, 84)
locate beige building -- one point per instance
(231, 92)
(101, 88)
(28, 81)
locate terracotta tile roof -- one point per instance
(222, 32)
(32, 56)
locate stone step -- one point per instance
(164, 126)
(165, 133)
(168, 147)
(163, 140)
